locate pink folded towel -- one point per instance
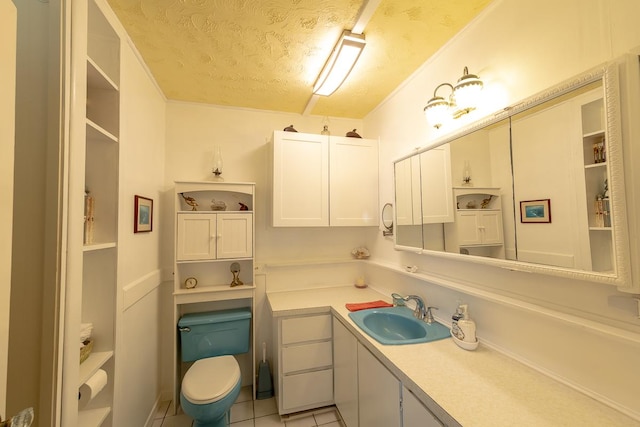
(366, 305)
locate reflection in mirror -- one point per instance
(387, 219)
(408, 209)
(462, 197)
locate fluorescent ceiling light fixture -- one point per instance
(340, 63)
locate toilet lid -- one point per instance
(209, 380)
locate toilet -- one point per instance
(212, 384)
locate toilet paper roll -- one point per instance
(92, 387)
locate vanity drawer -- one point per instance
(309, 328)
(307, 356)
(311, 389)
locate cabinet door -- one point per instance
(235, 235)
(378, 392)
(491, 223)
(437, 192)
(414, 414)
(300, 180)
(345, 373)
(353, 181)
(469, 228)
(196, 237)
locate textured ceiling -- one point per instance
(267, 54)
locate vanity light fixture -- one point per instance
(340, 63)
(462, 99)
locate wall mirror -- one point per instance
(537, 187)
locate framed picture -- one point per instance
(535, 211)
(143, 215)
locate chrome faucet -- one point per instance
(421, 311)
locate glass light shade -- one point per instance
(216, 167)
(340, 63)
(467, 93)
(437, 111)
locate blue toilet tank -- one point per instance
(214, 333)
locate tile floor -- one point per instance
(255, 413)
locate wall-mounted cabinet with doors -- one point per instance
(367, 393)
(477, 229)
(214, 247)
(92, 263)
(321, 180)
(564, 146)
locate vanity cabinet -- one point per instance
(414, 413)
(321, 180)
(209, 246)
(304, 365)
(345, 373)
(367, 393)
(378, 392)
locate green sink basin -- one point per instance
(397, 326)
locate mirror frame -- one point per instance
(608, 73)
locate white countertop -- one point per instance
(471, 388)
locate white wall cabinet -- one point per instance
(207, 244)
(303, 369)
(208, 236)
(478, 228)
(321, 180)
(92, 253)
(435, 179)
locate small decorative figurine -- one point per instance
(360, 253)
(325, 130)
(218, 205)
(235, 270)
(353, 134)
(485, 202)
(471, 204)
(290, 128)
(243, 207)
(190, 201)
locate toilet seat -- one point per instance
(211, 379)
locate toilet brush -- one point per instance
(265, 386)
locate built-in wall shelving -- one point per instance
(93, 255)
(596, 175)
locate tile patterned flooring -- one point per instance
(247, 412)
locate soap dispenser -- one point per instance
(466, 326)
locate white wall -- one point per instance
(139, 351)
(520, 48)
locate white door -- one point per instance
(378, 392)
(437, 192)
(414, 414)
(300, 180)
(491, 227)
(469, 228)
(235, 236)
(345, 373)
(8, 24)
(353, 181)
(196, 237)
